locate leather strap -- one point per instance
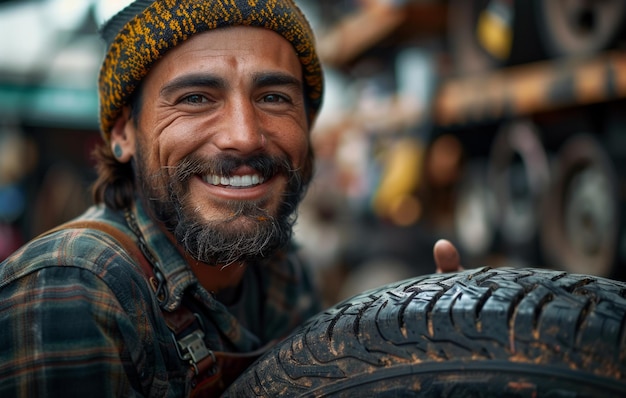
(214, 373)
(127, 243)
(229, 367)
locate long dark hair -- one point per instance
(115, 185)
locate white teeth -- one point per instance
(235, 181)
(245, 181)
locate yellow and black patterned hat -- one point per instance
(144, 31)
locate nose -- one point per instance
(241, 130)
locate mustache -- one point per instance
(225, 165)
(166, 193)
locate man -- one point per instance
(206, 109)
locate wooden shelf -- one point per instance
(531, 88)
(363, 30)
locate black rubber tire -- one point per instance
(580, 224)
(477, 333)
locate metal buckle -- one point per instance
(160, 290)
(192, 348)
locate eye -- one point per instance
(194, 99)
(275, 98)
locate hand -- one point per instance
(446, 257)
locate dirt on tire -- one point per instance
(480, 333)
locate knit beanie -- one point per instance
(144, 31)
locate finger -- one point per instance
(446, 256)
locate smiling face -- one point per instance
(221, 141)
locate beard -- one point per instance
(250, 233)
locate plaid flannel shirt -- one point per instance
(78, 317)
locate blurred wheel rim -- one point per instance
(579, 27)
(580, 228)
(519, 176)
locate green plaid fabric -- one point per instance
(79, 318)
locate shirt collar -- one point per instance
(178, 276)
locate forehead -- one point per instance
(239, 49)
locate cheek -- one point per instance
(176, 142)
(295, 144)
(297, 148)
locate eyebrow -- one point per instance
(262, 79)
(193, 80)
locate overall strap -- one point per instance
(211, 372)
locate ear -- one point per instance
(123, 136)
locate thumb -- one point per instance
(446, 256)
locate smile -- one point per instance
(243, 181)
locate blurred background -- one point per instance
(497, 124)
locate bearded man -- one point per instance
(183, 270)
